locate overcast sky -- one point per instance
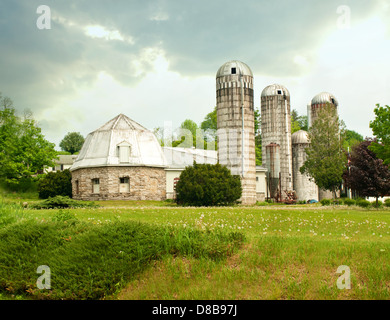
(156, 61)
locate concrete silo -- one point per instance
(235, 124)
(304, 188)
(276, 129)
(317, 103)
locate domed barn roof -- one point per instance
(300, 137)
(324, 97)
(275, 89)
(102, 146)
(234, 67)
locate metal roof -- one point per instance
(183, 157)
(274, 90)
(300, 136)
(324, 97)
(101, 146)
(241, 68)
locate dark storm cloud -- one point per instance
(197, 36)
(41, 69)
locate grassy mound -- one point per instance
(91, 262)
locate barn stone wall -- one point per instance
(146, 183)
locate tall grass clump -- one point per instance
(9, 213)
(92, 262)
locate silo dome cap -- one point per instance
(234, 67)
(324, 97)
(275, 89)
(300, 136)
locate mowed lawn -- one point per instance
(290, 252)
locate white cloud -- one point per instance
(96, 31)
(159, 16)
(162, 95)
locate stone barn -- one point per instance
(120, 160)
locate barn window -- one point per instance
(124, 184)
(77, 187)
(279, 91)
(95, 185)
(234, 70)
(124, 152)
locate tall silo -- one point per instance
(317, 103)
(235, 124)
(305, 188)
(320, 101)
(276, 129)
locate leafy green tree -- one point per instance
(298, 122)
(352, 138)
(23, 149)
(326, 161)
(55, 184)
(367, 174)
(381, 130)
(207, 185)
(209, 126)
(72, 142)
(294, 121)
(258, 141)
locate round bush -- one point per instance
(363, 203)
(349, 202)
(207, 185)
(387, 202)
(326, 202)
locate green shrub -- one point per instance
(55, 184)
(363, 203)
(61, 202)
(22, 185)
(64, 216)
(337, 202)
(207, 185)
(326, 202)
(349, 202)
(387, 202)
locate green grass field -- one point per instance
(285, 252)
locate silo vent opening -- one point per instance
(234, 71)
(279, 91)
